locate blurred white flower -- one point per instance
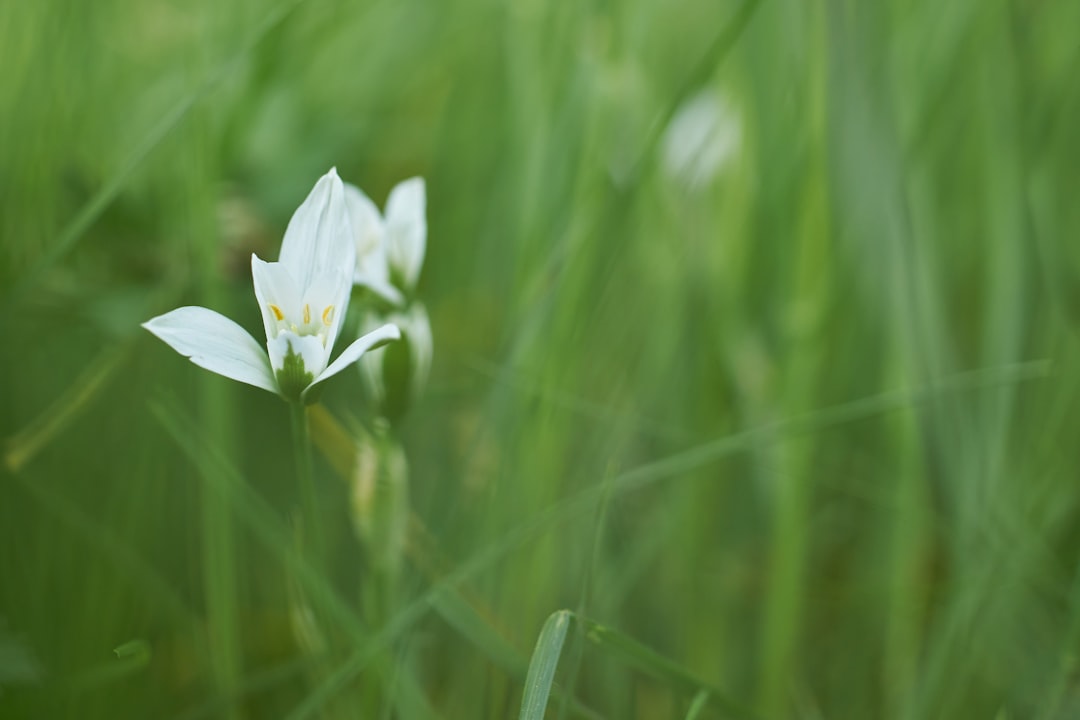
(372, 263)
(395, 379)
(390, 249)
(702, 138)
(303, 298)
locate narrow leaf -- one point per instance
(699, 703)
(542, 666)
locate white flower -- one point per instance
(302, 297)
(413, 352)
(701, 139)
(390, 249)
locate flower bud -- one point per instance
(379, 502)
(394, 377)
(701, 140)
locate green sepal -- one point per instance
(293, 377)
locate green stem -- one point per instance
(311, 528)
(219, 558)
(217, 410)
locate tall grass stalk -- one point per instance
(217, 411)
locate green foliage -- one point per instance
(796, 432)
(545, 659)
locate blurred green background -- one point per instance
(755, 342)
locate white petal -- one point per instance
(418, 332)
(319, 236)
(216, 343)
(372, 264)
(367, 222)
(383, 289)
(370, 363)
(406, 228)
(309, 347)
(378, 338)
(331, 289)
(274, 285)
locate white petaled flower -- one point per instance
(702, 139)
(390, 248)
(415, 348)
(302, 298)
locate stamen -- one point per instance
(328, 315)
(277, 312)
(307, 313)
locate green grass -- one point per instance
(797, 442)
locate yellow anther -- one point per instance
(328, 315)
(307, 313)
(277, 312)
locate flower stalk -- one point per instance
(311, 527)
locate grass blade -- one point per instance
(542, 667)
(23, 446)
(699, 703)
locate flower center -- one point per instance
(303, 323)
